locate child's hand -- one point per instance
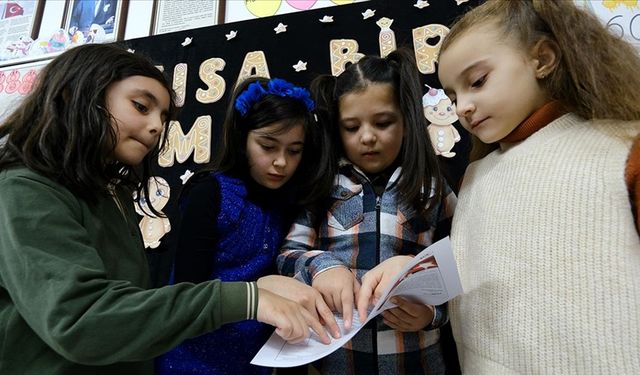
(291, 320)
(408, 316)
(303, 294)
(376, 281)
(338, 287)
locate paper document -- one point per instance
(430, 278)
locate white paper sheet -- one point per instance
(430, 278)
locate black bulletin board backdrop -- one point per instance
(306, 39)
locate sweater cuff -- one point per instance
(240, 301)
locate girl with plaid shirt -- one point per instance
(389, 198)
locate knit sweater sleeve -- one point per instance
(632, 177)
(78, 287)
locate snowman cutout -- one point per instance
(441, 114)
(153, 228)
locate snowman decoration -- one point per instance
(153, 228)
(441, 114)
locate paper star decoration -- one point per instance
(458, 2)
(131, 50)
(326, 19)
(421, 4)
(281, 28)
(187, 41)
(232, 34)
(368, 14)
(186, 176)
(300, 66)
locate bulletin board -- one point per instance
(205, 63)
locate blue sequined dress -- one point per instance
(230, 230)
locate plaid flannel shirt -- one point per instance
(359, 231)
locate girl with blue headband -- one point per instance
(236, 213)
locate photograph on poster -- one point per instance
(19, 25)
(94, 21)
(176, 15)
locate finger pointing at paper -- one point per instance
(376, 280)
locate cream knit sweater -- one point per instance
(549, 256)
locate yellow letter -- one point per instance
(343, 51)
(180, 83)
(255, 64)
(427, 55)
(216, 84)
(180, 146)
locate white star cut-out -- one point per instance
(187, 41)
(368, 14)
(300, 66)
(421, 4)
(458, 2)
(326, 19)
(281, 28)
(131, 50)
(232, 34)
(186, 176)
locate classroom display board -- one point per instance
(205, 64)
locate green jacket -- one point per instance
(74, 286)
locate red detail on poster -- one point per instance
(13, 9)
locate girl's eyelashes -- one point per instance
(479, 82)
(140, 107)
(267, 147)
(295, 151)
(350, 128)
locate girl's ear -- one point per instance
(546, 56)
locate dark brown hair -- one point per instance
(312, 179)
(63, 130)
(420, 167)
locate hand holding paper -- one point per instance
(430, 278)
(303, 294)
(377, 280)
(338, 286)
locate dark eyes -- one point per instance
(140, 107)
(479, 82)
(270, 148)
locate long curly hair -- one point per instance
(597, 74)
